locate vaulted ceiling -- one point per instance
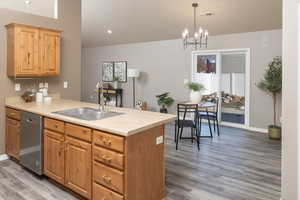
(151, 20)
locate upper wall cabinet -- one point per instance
(32, 51)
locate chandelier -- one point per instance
(200, 36)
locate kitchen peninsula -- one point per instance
(114, 158)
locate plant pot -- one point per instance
(163, 109)
(274, 132)
(116, 84)
(195, 96)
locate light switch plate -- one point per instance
(159, 140)
(17, 87)
(66, 84)
(185, 81)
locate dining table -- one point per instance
(204, 106)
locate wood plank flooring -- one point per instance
(238, 165)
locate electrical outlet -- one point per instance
(41, 85)
(17, 87)
(46, 85)
(66, 84)
(159, 140)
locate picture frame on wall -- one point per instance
(107, 71)
(120, 71)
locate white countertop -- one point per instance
(129, 123)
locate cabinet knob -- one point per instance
(106, 179)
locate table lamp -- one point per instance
(133, 73)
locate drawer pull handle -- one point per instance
(106, 158)
(55, 126)
(106, 179)
(107, 142)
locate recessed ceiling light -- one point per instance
(28, 2)
(109, 31)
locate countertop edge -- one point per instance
(72, 120)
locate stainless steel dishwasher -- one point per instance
(31, 155)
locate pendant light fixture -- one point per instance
(199, 37)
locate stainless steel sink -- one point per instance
(86, 113)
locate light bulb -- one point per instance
(196, 35)
(206, 33)
(200, 30)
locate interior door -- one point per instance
(27, 51)
(50, 52)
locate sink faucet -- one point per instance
(99, 87)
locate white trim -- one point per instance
(260, 130)
(241, 126)
(298, 97)
(218, 53)
(3, 157)
(55, 9)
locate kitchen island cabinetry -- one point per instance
(120, 157)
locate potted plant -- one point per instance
(272, 83)
(196, 91)
(116, 80)
(164, 100)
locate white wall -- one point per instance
(290, 101)
(165, 65)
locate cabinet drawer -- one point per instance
(101, 193)
(79, 132)
(13, 122)
(54, 125)
(109, 177)
(12, 113)
(108, 157)
(109, 141)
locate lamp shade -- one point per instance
(133, 73)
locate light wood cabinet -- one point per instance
(32, 51)
(13, 138)
(98, 165)
(78, 167)
(54, 156)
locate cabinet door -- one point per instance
(78, 166)
(27, 51)
(13, 137)
(54, 157)
(50, 52)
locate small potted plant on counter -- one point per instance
(196, 91)
(164, 100)
(272, 83)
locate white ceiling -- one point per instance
(151, 20)
(44, 8)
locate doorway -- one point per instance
(225, 74)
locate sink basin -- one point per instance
(86, 113)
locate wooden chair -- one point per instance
(184, 122)
(211, 115)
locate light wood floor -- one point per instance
(238, 165)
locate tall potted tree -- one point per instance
(272, 83)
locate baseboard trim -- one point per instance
(260, 130)
(3, 157)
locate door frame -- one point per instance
(218, 53)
